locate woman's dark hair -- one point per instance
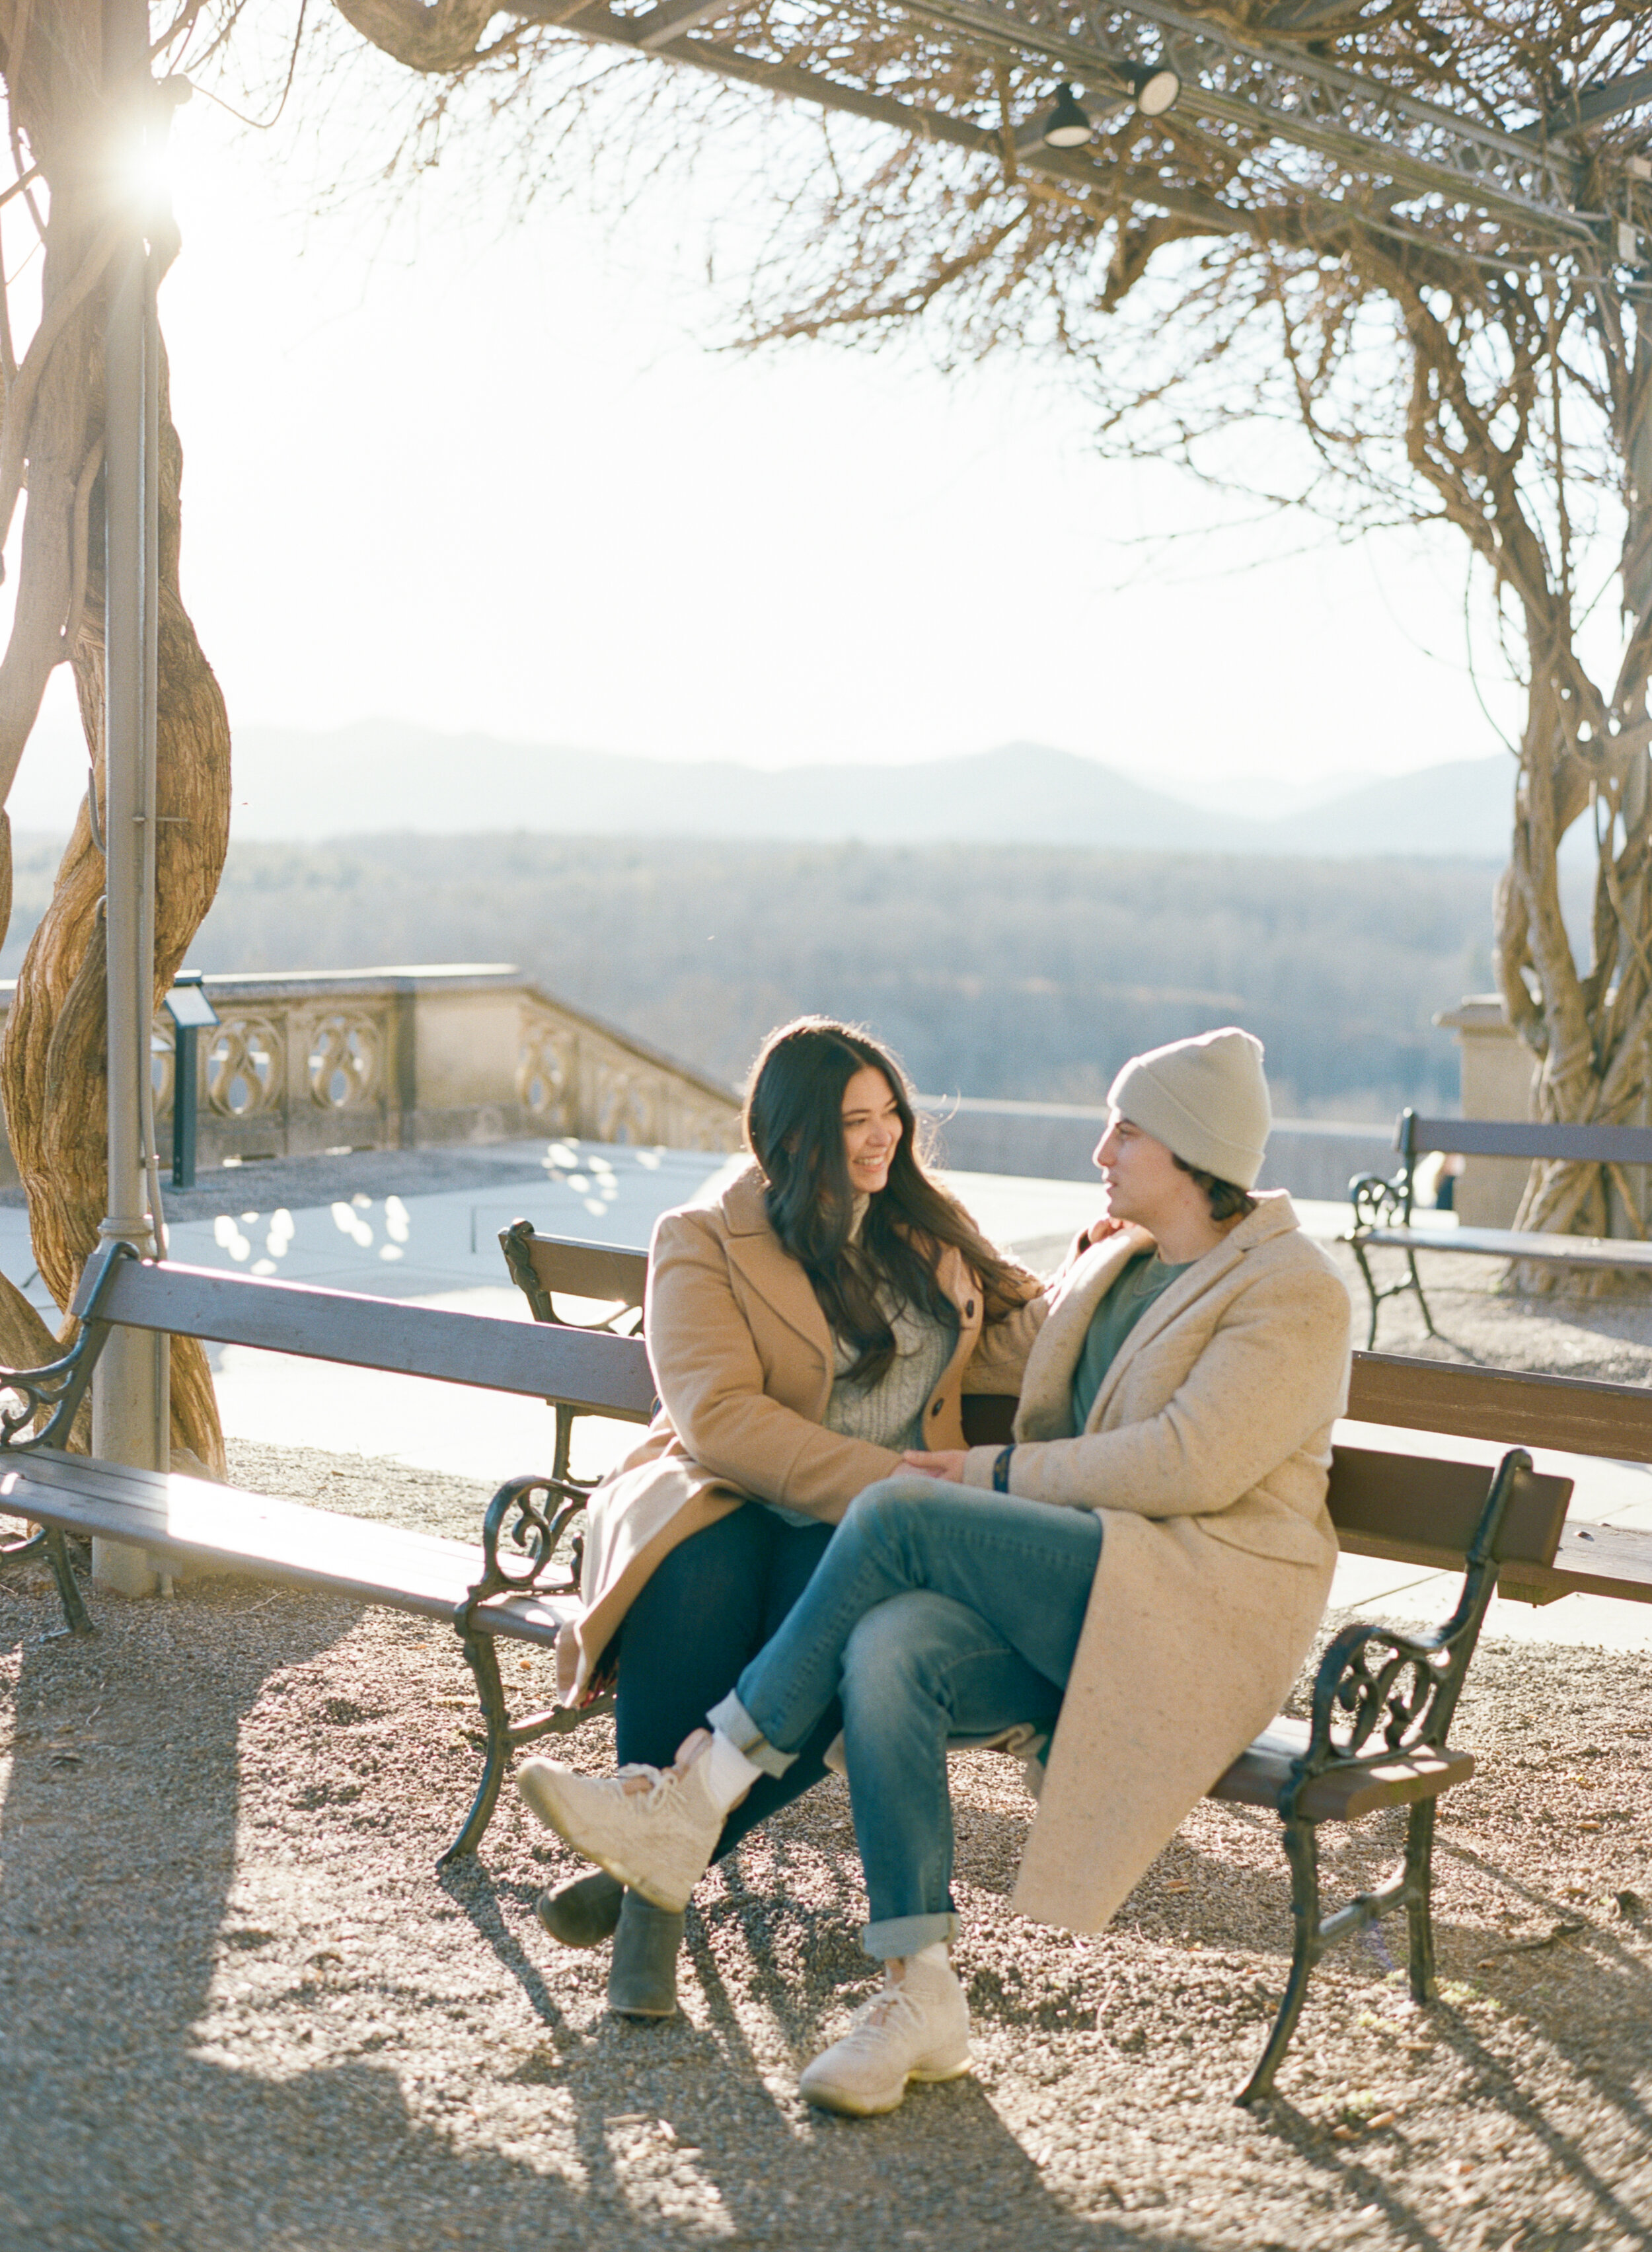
(794, 1130)
(1226, 1199)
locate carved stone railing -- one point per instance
(403, 1059)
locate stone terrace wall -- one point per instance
(408, 1057)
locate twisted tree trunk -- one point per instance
(1585, 755)
(54, 1065)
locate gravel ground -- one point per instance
(239, 2009)
(1560, 1330)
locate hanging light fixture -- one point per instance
(1154, 87)
(1066, 126)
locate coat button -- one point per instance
(935, 1409)
(970, 1310)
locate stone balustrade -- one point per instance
(408, 1057)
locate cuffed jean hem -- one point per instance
(730, 1719)
(897, 1936)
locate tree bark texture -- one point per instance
(53, 1066)
(1584, 756)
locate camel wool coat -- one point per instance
(742, 1356)
(1206, 1455)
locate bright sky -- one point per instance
(491, 475)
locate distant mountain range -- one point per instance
(382, 776)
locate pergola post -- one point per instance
(130, 1406)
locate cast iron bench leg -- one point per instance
(1413, 1283)
(74, 1610)
(1416, 1285)
(564, 1441)
(1375, 1295)
(49, 1542)
(1302, 1850)
(483, 1660)
(1420, 1856)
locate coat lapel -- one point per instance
(755, 1249)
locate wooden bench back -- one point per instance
(598, 1374)
(1573, 1413)
(541, 1265)
(1508, 1137)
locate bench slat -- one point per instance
(1418, 1510)
(194, 1521)
(586, 1270)
(1509, 1138)
(1511, 1243)
(1597, 1559)
(1260, 1772)
(605, 1375)
(1570, 1413)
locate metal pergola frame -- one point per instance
(1291, 100)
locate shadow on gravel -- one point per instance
(474, 1891)
(119, 2130)
(1347, 2181)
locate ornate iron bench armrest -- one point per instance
(525, 1524)
(55, 1389)
(1379, 1202)
(1380, 1693)
(1380, 1696)
(530, 1532)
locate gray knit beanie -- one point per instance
(1206, 1099)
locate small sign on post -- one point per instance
(192, 1012)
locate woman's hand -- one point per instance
(948, 1462)
(1098, 1231)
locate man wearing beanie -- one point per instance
(1135, 1580)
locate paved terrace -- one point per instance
(236, 2008)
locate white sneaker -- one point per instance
(655, 1830)
(914, 2028)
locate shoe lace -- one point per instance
(890, 2006)
(648, 1784)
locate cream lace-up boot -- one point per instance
(653, 1828)
(915, 2027)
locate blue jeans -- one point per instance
(937, 1611)
(708, 1608)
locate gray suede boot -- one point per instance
(642, 1975)
(584, 1912)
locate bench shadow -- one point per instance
(128, 2118)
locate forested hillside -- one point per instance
(1013, 970)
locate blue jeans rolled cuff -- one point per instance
(897, 1936)
(730, 1719)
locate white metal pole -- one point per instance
(128, 1403)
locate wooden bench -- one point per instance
(1382, 1207)
(1383, 1701)
(502, 1587)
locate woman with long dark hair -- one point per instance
(823, 1315)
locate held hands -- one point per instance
(948, 1462)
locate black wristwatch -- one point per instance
(1001, 1471)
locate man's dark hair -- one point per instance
(1226, 1199)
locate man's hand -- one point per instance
(948, 1463)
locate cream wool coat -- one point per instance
(742, 1356)
(1206, 1455)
